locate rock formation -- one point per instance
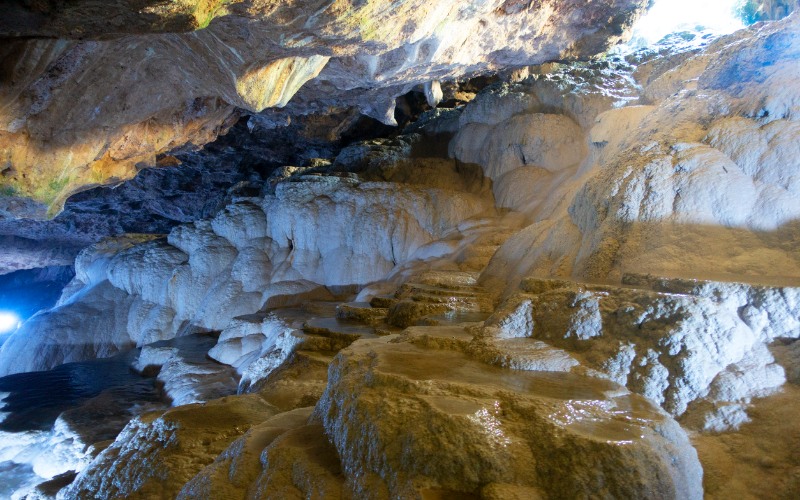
(767, 10)
(580, 281)
(87, 111)
(182, 187)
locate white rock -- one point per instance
(187, 381)
(552, 142)
(148, 321)
(433, 93)
(152, 356)
(697, 183)
(255, 346)
(242, 224)
(93, 324)
(686, 343)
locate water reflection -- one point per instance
(492, 426)
(34, 400)
(49, 419)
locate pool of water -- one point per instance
(34, 400)
(50, 419)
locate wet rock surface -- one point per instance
(687, 342)
(581, 283)
(158, 452)
(410, 419)
(250, 253)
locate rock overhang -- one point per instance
(87, 102)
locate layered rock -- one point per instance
(149, 94)
(692, 182)
(600, 203)
(571, 386)
(299, 453)
(407, 416)
(158, 452)
(453, 426)
(677, 342)
(87, 18)
(155, 201)
(211, 271)
(190, 185)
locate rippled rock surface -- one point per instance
(419, 417)
(580, 283)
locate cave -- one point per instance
(496, 249)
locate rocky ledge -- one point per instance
(88, 107)
(581, 283)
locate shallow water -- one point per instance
(591, 407)
(49, 419)
(36, 399)
(14, 476)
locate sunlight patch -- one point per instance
(669, 16)
(9, 322)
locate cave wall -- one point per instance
(78, 112)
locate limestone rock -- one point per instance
(655, 192)
(429, 300)
(236, 470)
(185, 371)
(86, 18)
(155, 201)
(299, 381)
(59, 336)
(246, 257)
(304, 464)
(409, 420)
(156, 454)
(150, 94)
(352, 256)
(193, 184)
(685, 342)
(256, 346)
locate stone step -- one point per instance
(648, 284)
(701, 287)
(410, 289)
(255, 318)
(325, 344)
(406, 312)
(468, 302)
(316, 356)
(361, 311)
(453, 318)
(448, 279)
(540, 285)
(299, 381)
(420, 301)
(330, 327)
(387, 329)
(383, 301)
(320, 308)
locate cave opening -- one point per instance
(9, 321)
(673, 16)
